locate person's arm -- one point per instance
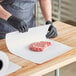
(46, 9)
(4, 14)
(17, 23)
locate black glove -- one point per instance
(17, 23)
(52, 32)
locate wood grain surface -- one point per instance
(66, 35)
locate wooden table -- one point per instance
(66, 35)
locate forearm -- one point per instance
(4, 14)
(46, 9)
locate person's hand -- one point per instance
(52, 32)
(17, 23)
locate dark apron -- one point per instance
(23, 9)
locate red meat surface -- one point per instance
(39, 46)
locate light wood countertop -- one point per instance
(66, 35)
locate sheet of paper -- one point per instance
(18, 43)
(12, 68)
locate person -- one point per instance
(19, 15)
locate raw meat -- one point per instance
(39, 46)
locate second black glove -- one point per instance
(52, 32)
(17, 23)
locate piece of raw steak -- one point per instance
(39, 46)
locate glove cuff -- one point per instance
(12, 20)
(48, 22)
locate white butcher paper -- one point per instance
(18, 43)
